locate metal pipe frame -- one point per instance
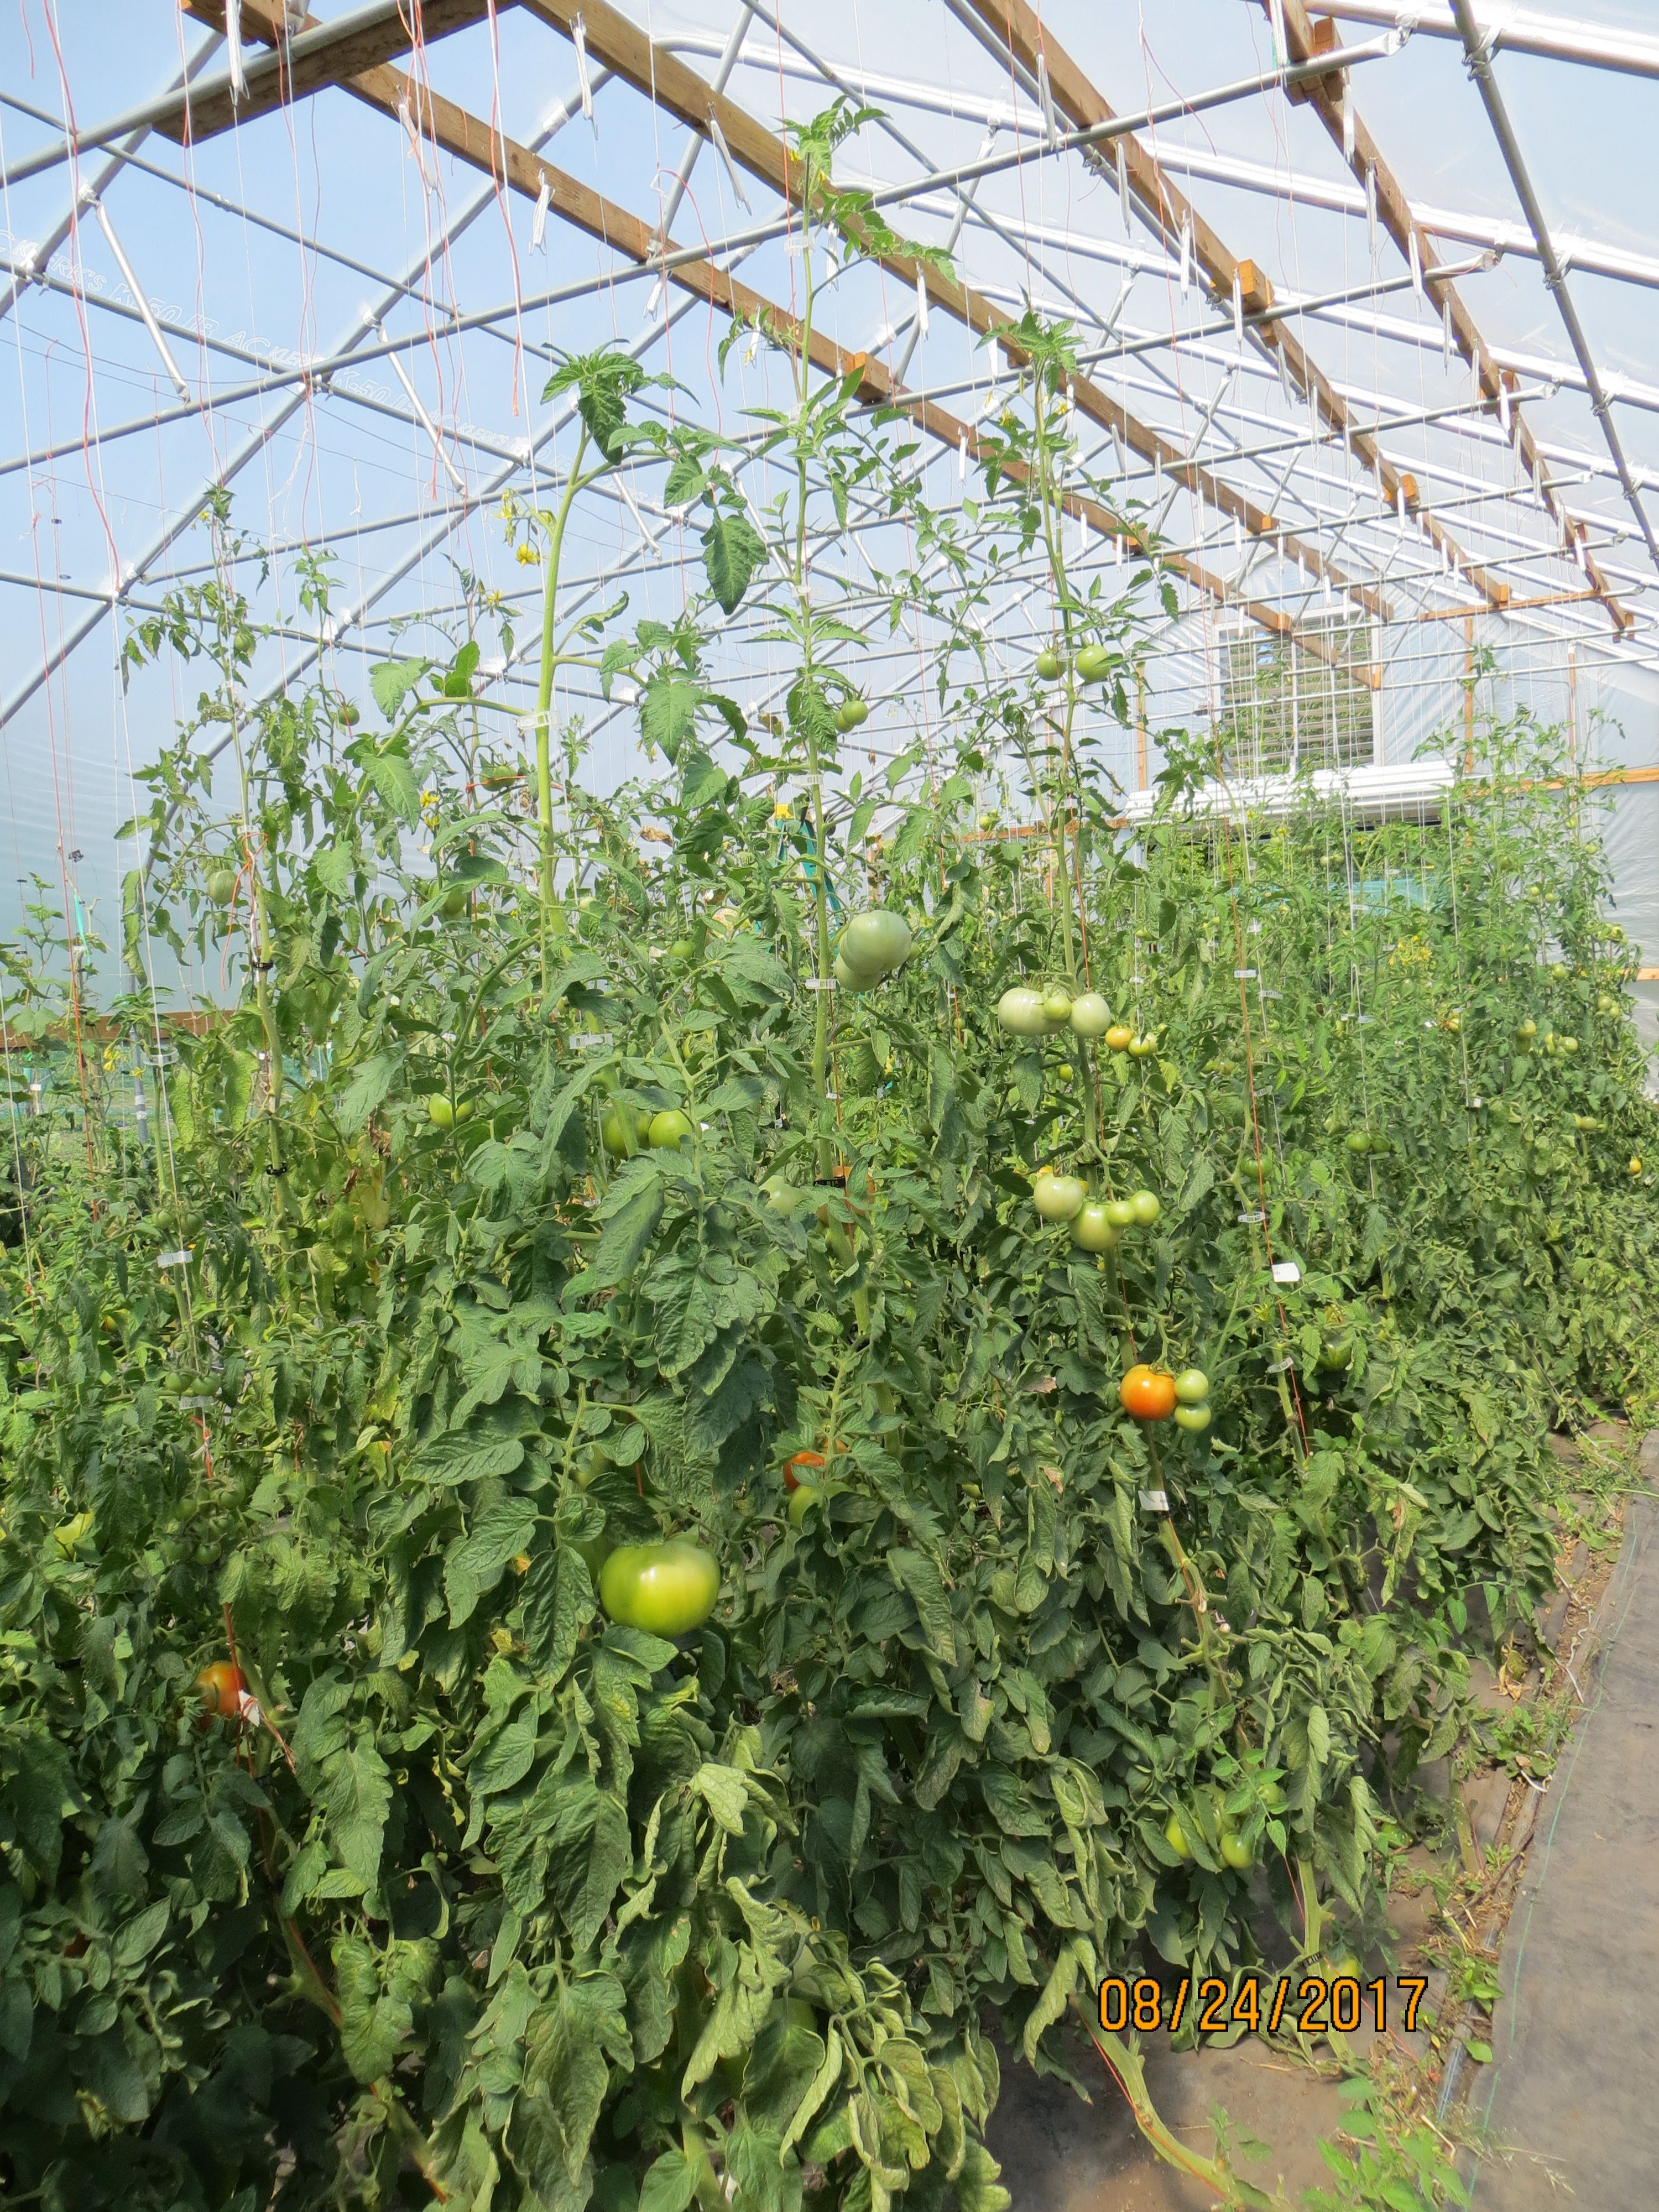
(914, 190)
(78, 632)
(1306, 188)
(1478, 50)
(1516, 31)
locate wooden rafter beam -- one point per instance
(662, 78)
(324, 54)
(1393, 212)
(1017, 29)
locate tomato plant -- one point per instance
(617, 1830)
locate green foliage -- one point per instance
(481, 1893)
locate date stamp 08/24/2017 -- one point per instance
(1312, 2006)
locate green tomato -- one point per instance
(668, 1129)
(850, 714)
(668, 1589)
(1057, 1006)
(1092, 662)
(1335, 1353)
(453, 905)
(802, 1498)
(1358, 1141)
(1059, 1197)
(1048, 664)
(1194, 1418)
(616, 1132)
(1236, 1852)
(1065, 1072)
(1090, 1015)
(222, 886)
(444, 1115)
(1020, 1013)
(1146, 1207)
(1192, 1387)
(875, 942)
(853, 979)
(1092, 1231)
(1568, 1044)
(782, 1195)
(1143, 1047)
(1120, 1213)
(1175, 1836)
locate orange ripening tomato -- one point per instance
(1148, 1393)
(220, 1687)
(808, 1463)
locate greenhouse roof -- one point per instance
(1360, 299)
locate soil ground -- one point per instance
(1555, 1878)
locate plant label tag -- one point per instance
(1287, 1271)
(1154, 1501)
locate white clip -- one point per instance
(539, 220)
(579, 38)
(1046, 97)
(1186, 253)
(234, 50)
(1238, 307)
(1154, 1501)
(1123, 181)
(962, 457)
(1417, 264)
(725, 152)
(921, 298)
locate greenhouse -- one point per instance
(828, 1241)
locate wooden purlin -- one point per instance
(352, 54)
(471, 141)
(1078, 100)
(1394, 213)
(661, 76)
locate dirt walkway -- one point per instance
(1573, 2096)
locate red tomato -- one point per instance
(808, 1461)
(220, 1687)
(1148, 1393)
